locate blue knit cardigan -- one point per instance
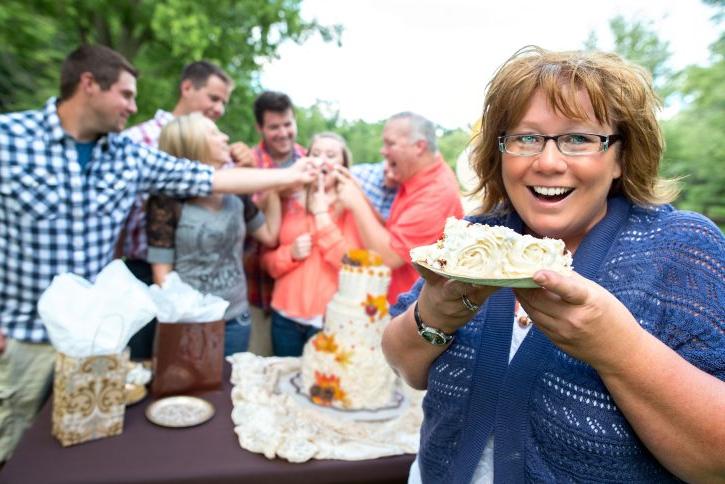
(553, 418)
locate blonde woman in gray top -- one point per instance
(202, 238)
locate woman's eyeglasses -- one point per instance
(570, 144)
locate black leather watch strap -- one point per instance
(433, 336)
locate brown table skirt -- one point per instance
(209, 453)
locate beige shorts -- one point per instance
(26, 371)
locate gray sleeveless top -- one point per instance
(208, 251)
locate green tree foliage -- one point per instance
(720, 5)
(317, 118)
(695, 149)
(637, 42)
(451, 143)
(157, 36)
(365, 139)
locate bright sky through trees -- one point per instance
(435, 56)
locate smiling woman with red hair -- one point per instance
(620, 376)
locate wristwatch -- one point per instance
(433, 336)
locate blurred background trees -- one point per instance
(161, 36)
(158, 36)
(695, 99)
(695, 149)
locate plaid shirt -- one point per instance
(135, 245)
(55, 218)
(371, 177)
(259, 283)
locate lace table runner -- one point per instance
(274, 423)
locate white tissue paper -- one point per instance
(176, 301)
(85, 319)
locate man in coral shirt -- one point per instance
(427, 195)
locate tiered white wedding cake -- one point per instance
(343, 365)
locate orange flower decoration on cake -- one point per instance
(325, 342)
(376, 307)
(343, 357)
(364, 257)
(327, 390)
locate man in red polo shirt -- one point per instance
(428, 194)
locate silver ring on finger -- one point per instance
(469, 304)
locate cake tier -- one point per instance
(343, 366)
(352, 321)
(356, 282)
(353, 379)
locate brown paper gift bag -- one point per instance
(89, 397)
(187, 357)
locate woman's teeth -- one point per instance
(551, 191)
(551, 194)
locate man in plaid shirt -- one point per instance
(67, 182)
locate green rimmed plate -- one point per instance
(521, 282)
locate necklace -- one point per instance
(522, 318)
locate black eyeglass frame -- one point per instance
(605, 141)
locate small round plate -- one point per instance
(179, 411)
(134, 393)
(526, 282)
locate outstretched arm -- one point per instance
(160, 271)
(242, 156)
(250, 180)
(162, 218)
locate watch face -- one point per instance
(433, 337)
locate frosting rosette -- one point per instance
(465, 249)
(479, 257)
(529, 254)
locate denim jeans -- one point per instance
(236, 335)
(288, 336)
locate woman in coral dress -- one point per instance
(316, 232)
